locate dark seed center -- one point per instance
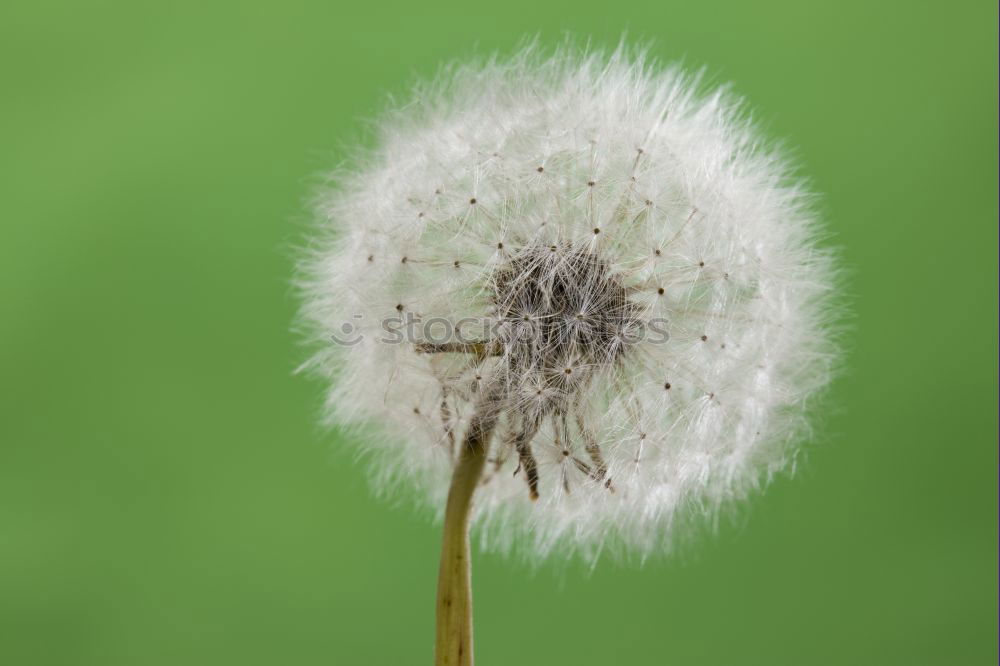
(560, 306)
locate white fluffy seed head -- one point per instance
(635, 281)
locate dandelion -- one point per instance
(577, 290)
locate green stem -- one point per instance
(453, 646)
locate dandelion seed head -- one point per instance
(575, 200)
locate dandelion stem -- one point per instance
(453, 646)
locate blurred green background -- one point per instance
(165, 494)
